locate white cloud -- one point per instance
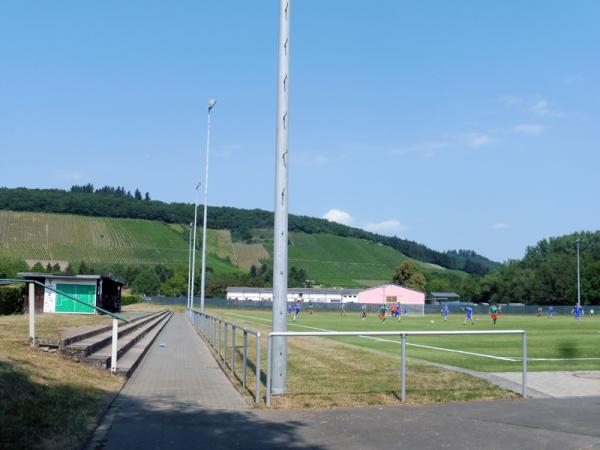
(431, 148)
(426, 148)
(386, 227)
(500, 226)
(315, 159)
(530, 129)
(70, 176)
(339, 216)
(538, 106)
(478, 139)
(571, 79)
(227, 151)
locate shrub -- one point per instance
(11, 300)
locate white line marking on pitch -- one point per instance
(482, 355)
(519, 358)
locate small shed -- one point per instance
(97, 290)
(437, 297)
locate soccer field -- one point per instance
(560, 343)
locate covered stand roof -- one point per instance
(51, 276)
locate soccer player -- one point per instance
(469, 315)
(445, 312)
(363, 312)
(398, 311)
(578, 310)
(405, 310)
(342, 310)
(289, 309)
(393, 311)
(591, 312)
(382, 312)
(494, 313)
(550, 311)
(310, 308)
(296, 309)
(539, 312)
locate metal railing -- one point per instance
(403, 335)
(214, 331)
(31, 294)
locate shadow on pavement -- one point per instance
(164, 424)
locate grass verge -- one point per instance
(47, 402)
(325, 373)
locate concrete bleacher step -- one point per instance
(135, 341)
(128, 363)
(80, 349)
(77, 334)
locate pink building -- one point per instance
(392, 294)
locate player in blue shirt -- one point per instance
(289, 310)
(550, 312)
(296, 309)
(469, 315)
(445, 312)
(578, 310)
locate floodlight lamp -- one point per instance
(211, 103)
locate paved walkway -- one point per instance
(177, 376)
(559, 384)
(178, 398)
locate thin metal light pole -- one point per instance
(578, 278)
(194, 245)
(280, 238)
(211, 104)
(189, 290)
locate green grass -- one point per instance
(560, 338)
(342, 261)
(327, 259)
(326, 373)
(47, 402)
(65, 237)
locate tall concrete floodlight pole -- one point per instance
(578, 279)
(189, 290)
(211, 104)
(280, 257)
(193, 282)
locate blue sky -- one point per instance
(462, 124)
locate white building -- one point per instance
(304, 294)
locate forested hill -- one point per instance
(117, 202)
(548, 273)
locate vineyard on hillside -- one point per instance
(327, 259)
(65, 237)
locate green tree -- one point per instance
(84, 269)
(146, 282)
(37, 267)
(9, 268)
(175, 286)
(253, 272)
(69, 270)
(407, 274)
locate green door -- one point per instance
(84, 292)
